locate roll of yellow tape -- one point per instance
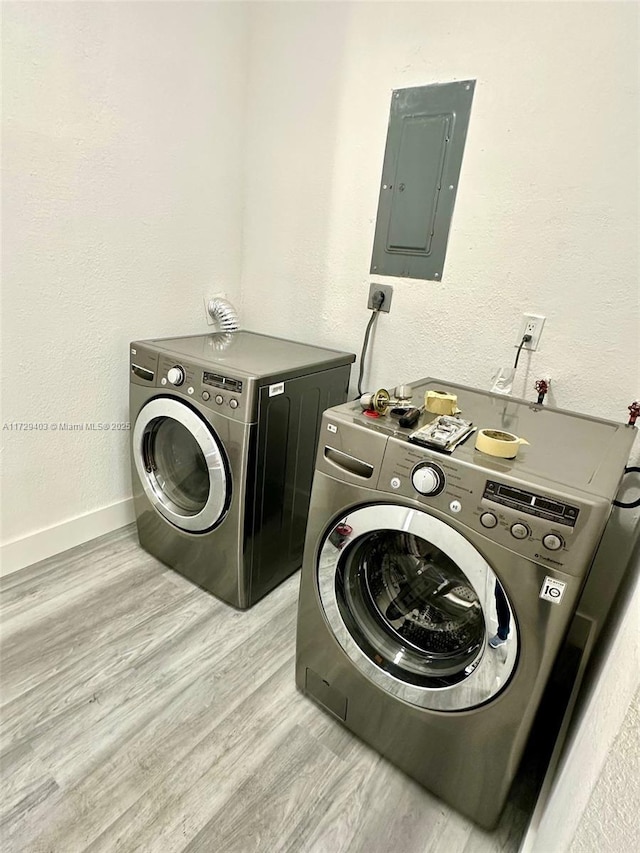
(441, 403)
(498, 443)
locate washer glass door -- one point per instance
(414, 605)
(181, 464)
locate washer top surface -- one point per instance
(565, 448)
(252, 354)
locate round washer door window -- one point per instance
(181, 465)
(415, 606)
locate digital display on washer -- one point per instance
(531, 503)
(219, 381)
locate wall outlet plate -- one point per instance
(387, 289)
(531, 324)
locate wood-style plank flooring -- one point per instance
(141, 714)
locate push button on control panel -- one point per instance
(552, 542)
(206, 396)
(520, 531)
(219, 399)
(488, 519)
(233, 403)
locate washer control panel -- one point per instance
(542, 526)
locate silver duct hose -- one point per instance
(224, 314)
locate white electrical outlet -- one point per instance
(531, 325)
(206, 300)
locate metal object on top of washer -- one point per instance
(404, 395)
(378, 401)
(381, 401)
(445, 433)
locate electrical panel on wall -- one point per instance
(422, 160)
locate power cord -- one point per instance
(629, 504)
(377, 301)
(525, 340)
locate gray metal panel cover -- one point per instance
(423, 156)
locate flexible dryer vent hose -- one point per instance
(224, 314)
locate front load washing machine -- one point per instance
(223, 435)
(437, 589)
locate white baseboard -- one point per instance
(54, 540)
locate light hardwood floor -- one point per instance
(141, 714)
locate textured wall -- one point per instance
(611, 821)
(122, 202)
(546, 217)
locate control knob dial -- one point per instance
(175, 375)
(428, 478)
(520, 530)
(552, 541)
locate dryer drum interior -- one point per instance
(181, 465)
(175, 461)
(402, 594)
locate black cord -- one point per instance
(365, 344)
(631, 504)
(525, 340)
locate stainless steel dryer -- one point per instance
(224, 431)
(437, 589)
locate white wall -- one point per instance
(611, 830)
(546, 217)
(122, 204)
